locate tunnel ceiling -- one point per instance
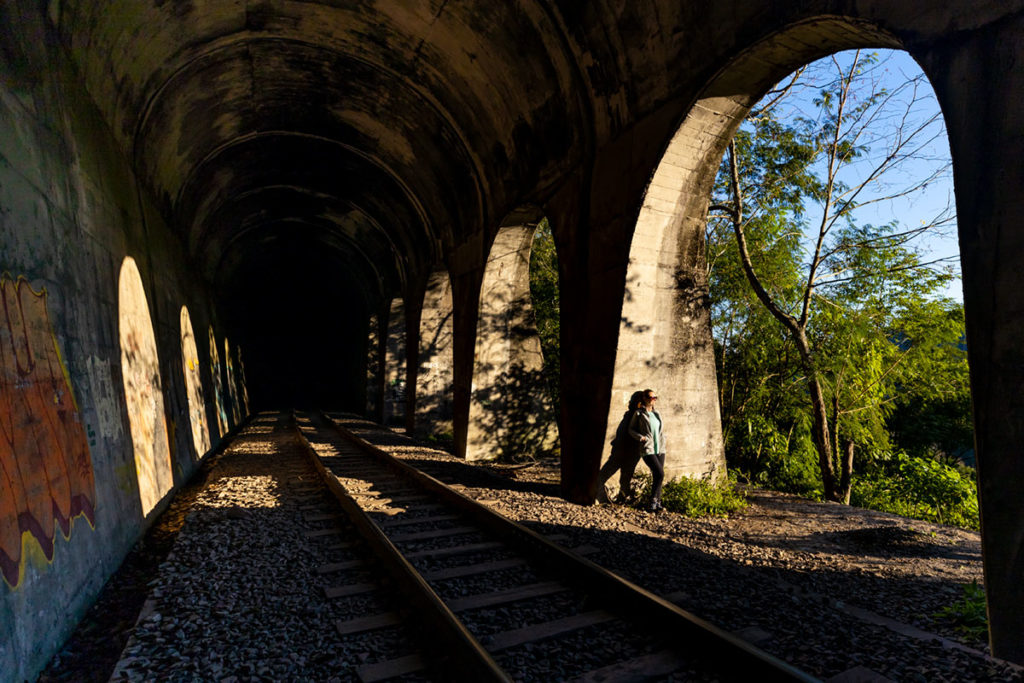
(384, 132)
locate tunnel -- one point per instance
(212, 208)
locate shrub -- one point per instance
(920, 488)
(696, 497)
(968, 614)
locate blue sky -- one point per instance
(892, 72)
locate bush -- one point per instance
(919, 488)
(696, 497)
(765, 457)
(968, 614)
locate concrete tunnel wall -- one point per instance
(75, 491)
(200, 137)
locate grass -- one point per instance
(968, 614)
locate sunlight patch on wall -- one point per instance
(140, 370)
(218, 385)
(193, 385)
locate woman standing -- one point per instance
(647, 428)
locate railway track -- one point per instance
(491, 600)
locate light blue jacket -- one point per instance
(640, 427)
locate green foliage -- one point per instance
(919, 488)
(696, 497)
(764, 456)
(545, 302)
(884, 347)
(968, 614)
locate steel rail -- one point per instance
(687, 633)
(457, 654)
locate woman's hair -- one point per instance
(636, 399)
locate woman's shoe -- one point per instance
(655, 506)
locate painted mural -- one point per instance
(218, 385)
(193, 385)
(236, 399)
(46, 477)
(144, 399)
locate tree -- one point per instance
(544, 298)
(836, 290)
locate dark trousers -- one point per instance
(656, 461)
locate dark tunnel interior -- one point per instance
(299, 312)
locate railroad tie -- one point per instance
(382, 671)
(533, 590)
(370, 623)
(644, 667)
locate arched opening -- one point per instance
(193, 386)
(218, 385)
(830, 253)
(435, 380)
(243, 386)
(665, 341)
(234, 397)
(394, 365)
(144, 399)
(374, 376)
(511, 415)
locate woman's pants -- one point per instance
(656, 461)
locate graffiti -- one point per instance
(193, 385)
(236, 409)
(218, 385)
(46, 477)
(140, 371)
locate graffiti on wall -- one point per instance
(144, 400)
(218, 385)
(46, 477)
(193, 385)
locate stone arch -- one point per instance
(435, 380)
(143, 393)
(394, 365)
(508, 392)
(665, 340)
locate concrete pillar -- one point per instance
(394, 365)
(984, 118)
(435, 383)
(665, 341)
(510, 414)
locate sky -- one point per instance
(893, 71)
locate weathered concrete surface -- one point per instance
(285, 169)
(510, 413)
(71, 211)
(435, 381)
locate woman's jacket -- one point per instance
(641, 426)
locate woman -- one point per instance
(625, 454)
(647, 428)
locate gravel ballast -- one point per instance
(811, 583)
